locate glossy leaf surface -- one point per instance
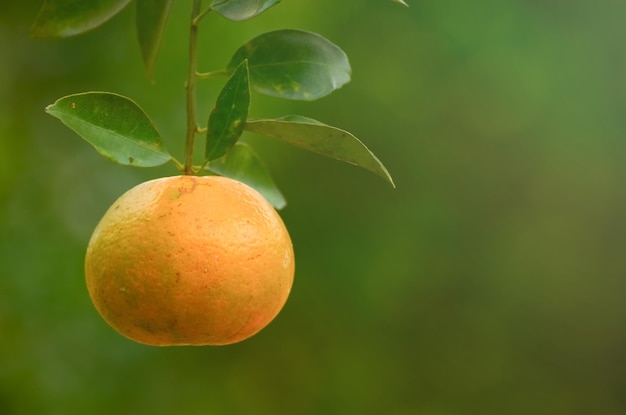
(294, 64)
(116, 127)
(63, 18)
(151, 17)
(228, 117)
(242, 163)
(239, 10)
(320, 138)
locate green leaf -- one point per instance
(228, 117)
(63, 18)
(402, 2)
(116, 127)
(294, 64)
(242, 163)
(320, 138)
(151, 16)
(239, 10)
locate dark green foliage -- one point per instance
(151, 17)
(114, 125)
(243, 164)
(63, 18)
(292, 64)
(241, 9)
(228, 118)
(322, 139)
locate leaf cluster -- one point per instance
(291, 64)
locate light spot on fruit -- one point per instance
(175, 194)
(286, 259)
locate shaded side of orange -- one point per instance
(190, 260)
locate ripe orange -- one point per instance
(189, 260)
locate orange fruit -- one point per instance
(189, 260)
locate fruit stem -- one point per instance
(190, 85)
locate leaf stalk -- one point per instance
(213, 74)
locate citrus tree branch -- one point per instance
(192, 124)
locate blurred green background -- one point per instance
(491, 281)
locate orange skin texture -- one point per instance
(190, 260)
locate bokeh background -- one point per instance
(491, 281)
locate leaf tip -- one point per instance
(384, 173)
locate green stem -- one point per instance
(178, 164)
(196, 20)
(192, 124)
(214, 74)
